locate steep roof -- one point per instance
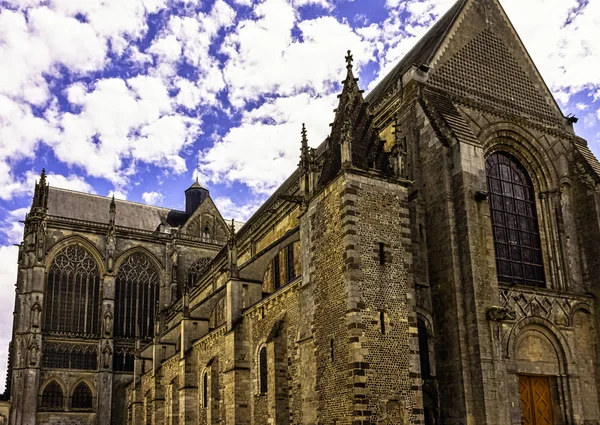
(84, 206)
(423, 51)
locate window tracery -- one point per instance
(197, 270)
(123, 360)
(72, 293)
(514, 222)
(136, 295)
(82, 397)
(52, 397)
(70, 356)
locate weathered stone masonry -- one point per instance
(436, 260)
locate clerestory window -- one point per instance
(136, 295)
(72, 293)
(514, 221)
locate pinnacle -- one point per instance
(304, 138)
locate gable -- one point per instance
(483, 59)
(207, 222)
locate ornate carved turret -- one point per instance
(35, 221)
(354, 142)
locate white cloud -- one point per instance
(117, 194)
(152, 198)
(275, 128)
(239, 212)
(26, 184)
(566, 53)
(287, 66)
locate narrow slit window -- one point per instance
(381, 253)
(205, 390)
(291, 272)
(276, 272)
(331, 349)
(382, 322)
(264, 387)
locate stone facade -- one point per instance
(392, 279)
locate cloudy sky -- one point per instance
(131, 97)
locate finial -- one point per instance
(232, 234)
(113, 205)
(304, 138)
(43, 177)
(349, 59)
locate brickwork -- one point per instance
(393, 310)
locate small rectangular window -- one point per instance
(291, 273)
(381, 253)
(276, 272)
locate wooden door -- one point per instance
(536, 404)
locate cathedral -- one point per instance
(436, 260)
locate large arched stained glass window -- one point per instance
(52, 397)
(514, 221)
(136, 295)
(72, 293)
(82, 397)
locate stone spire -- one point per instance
(40, 195)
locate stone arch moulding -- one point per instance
(550, 330)
(580, 306)
(54, 378)
(153, 259)
(521, 144)
(85, 381)
(427, 319)
(74, 240)
(255, 269)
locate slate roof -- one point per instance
(422, 52)
(88, 207)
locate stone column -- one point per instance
(106, 352)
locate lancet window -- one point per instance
(82, 397)
(52, 397)
(263, 370)
(197, 270)
(136, 295)
(72, 293)
(514, 222)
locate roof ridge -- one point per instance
(117, 200)
(445, 23)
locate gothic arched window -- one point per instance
(263, 371)
(82, 397)
(72, 293)
(196, 271)
(424, 350)
(136, 295)
(52, 397)
(514, 222)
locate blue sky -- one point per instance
(138, 97)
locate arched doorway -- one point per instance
(541, 374)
